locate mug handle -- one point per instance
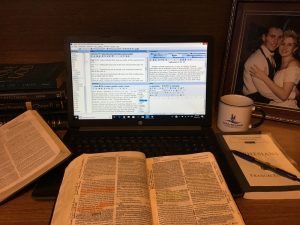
(262, 119)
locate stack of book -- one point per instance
(34, 86)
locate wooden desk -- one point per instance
(22, 209)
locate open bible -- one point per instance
(127, 188)
(28, 149)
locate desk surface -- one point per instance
(22, 209)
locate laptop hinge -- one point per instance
(143, 128)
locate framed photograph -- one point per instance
(251, 23)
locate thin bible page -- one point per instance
(104, 188)
(190, 189)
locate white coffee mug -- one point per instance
(234, 114)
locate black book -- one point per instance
(23, 96)
(37, 105)
(56, 119)
(31, 76)
(257, 181)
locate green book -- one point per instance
(40, 76)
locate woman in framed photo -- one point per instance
(287, 77)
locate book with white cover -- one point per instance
(256, 182)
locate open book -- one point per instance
(126, 188)
(256, 181)
(28, 149)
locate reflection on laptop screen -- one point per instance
(124, 81)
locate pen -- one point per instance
(266, 166)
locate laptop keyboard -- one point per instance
(151, 144)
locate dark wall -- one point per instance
(33, 30)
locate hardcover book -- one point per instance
(128, 188)
(262, 168)
(31, 76)
(37, 105)
(56, 119)
(23, 96)
(29, 149)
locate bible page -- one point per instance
(190, 189)
(104, 188)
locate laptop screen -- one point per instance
(139, 82)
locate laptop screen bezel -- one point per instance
(204, 121)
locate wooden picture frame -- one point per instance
(248, 19)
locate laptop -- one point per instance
(136, 88)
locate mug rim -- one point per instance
(236, 95)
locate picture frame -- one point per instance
(247, 20)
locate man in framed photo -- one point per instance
(263, 57)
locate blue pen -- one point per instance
(266, 166)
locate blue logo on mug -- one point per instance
(233, 119)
